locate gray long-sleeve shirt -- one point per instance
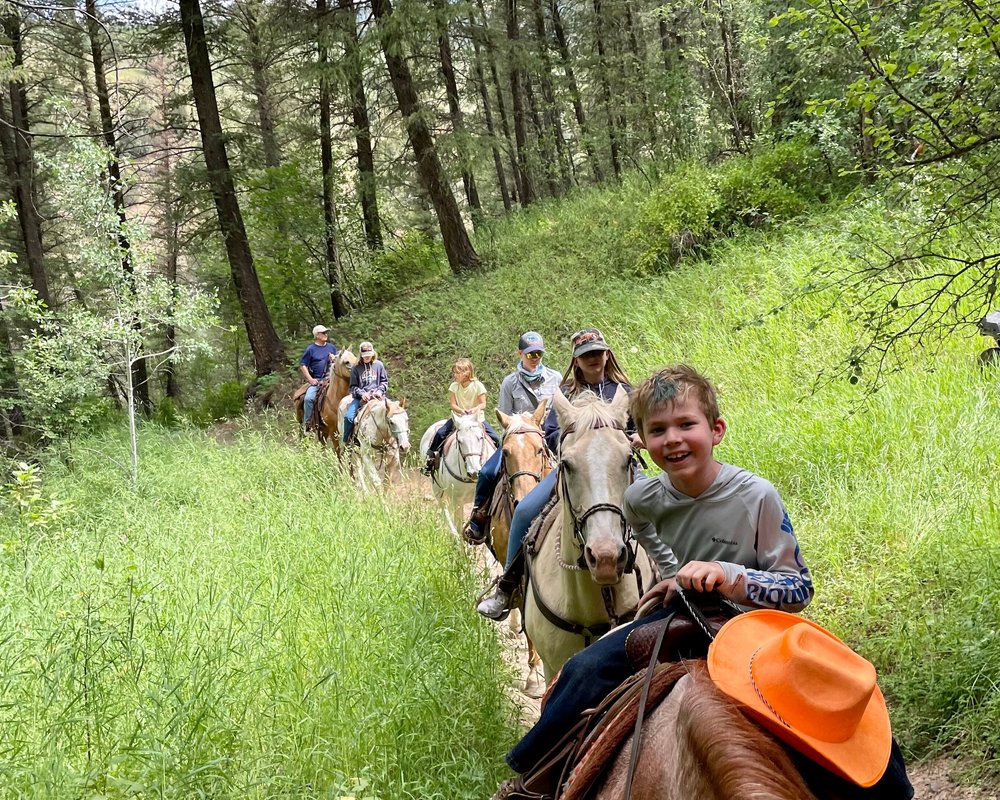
(517, 395)
(739, 521)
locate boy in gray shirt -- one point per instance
(709, 526)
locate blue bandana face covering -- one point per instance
(530, 375)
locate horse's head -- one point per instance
(471, 440)
(595, 463)
(526, 457)
(343, 362)
(399, 423)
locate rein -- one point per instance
(465, 477)
(524, 472)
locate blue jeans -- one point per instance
(349, 416)
(526, 511)
(585, 680)
(486, 483)
(307, 404)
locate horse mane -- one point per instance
(520, 422)
(726, 754)
(593, 412)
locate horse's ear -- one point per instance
(565, 412)
(503, 418)
(540, 412)
(619, 405)
(402, 403)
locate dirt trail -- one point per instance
(934, 779)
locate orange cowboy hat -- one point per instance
(808, 688)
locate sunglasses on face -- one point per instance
(534, 354)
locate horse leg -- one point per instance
(534, 683)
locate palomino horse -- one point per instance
(465, 453)
(340, 383)
(526, 460)
(587, 574)
(698, 744)
(382, 428)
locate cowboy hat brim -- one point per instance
(862, 759)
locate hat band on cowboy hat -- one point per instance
(808, 688)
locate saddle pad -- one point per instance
(615, 726)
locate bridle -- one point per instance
(511, 476)
(389, 435)
(465, 477)
(579, 518)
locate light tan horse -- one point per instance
(588, 573)
(526, 460)
(382, 429)
(697, 744)
(340, 383)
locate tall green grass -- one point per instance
(891, 492)
(242, 625)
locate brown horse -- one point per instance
(340, 383)
(526, 460)
(698, 744)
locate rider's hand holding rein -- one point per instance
(701, 576)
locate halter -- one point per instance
(580, 518)
(465, 477)
(524, 472)
(389, 435)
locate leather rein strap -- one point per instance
(702, 623)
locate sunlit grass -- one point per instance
(242, 626)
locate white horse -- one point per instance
(465, 452)
(382, 428)
(588, 573)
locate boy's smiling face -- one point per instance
(680, 440)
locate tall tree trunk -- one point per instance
(362, 128)
(548, 94)
(546, 148)
(581, 117)
(334, 272)
(638, 78)
(526, 187)
(140, 377)
(484, 94)
(268, 351)
(455, 112)
(461, 255)
(20, 164)
(11, 413)
(262, 90)
(602, 70)
(491, 48)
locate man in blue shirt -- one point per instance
(314, 365)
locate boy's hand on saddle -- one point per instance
(701, 576)
(663, 591)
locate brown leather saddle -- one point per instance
(571, 769)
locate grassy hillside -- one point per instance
(889, 492)
(243, 625)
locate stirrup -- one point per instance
(499, 597)
(471, 535)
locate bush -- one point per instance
(165, 413)
(675, 219)
(222, 402)
(415, 260)
(776, 183)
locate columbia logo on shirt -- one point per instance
(719, 540)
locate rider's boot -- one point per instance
(498, 606)
(348, 430)
(431, 465)
(474, 530)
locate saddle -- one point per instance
(571, 768)
(316, 420)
